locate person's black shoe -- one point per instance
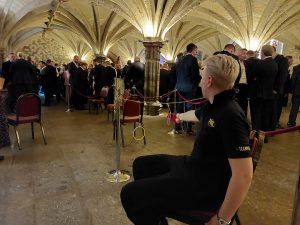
(2, 157)
(266, 140)
(163, 221)
(290, 124)
(178, 132)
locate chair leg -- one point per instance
(17, 137)
(134, 126)
(144, 133)
(43, 132)
(122, 135)
(32, 130)
(237, 219)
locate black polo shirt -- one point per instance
(223, 133)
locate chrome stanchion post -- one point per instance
(68, 95)
(296, 211)
(118, 175)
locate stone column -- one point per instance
(152, 71)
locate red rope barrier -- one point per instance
(193, 103)
(282, 131)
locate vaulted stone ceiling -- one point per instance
(100, 26)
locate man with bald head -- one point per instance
(73, 66)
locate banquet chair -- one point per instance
(28, 110)
(98, 101)
(111, 106)
(131, 114)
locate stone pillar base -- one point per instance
(151, 110)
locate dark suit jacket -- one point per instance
(6, 72)
(282, 74)
(23, 72)
(48, 77)
(266, 71)
(187, 74)
(110, 74)
(99, 75)
(295, 81)
(164, 81)
(72, 68)
(136, 75)
(250, 66)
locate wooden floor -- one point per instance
(64, 182)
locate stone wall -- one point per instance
(46, 48)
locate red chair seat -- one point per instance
(131, 119)
(98, 101)
(22, 119)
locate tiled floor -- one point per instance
(63, 183)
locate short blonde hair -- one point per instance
(223, 69)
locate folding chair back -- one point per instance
(28, 110)
(29, 105)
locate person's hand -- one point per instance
(213, 221)
(177, 120)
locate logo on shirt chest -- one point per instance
(211, 123)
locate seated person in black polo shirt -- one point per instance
(218, 173)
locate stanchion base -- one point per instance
(117, 176)
(69, 110)
(172, 132)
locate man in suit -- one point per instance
(266, 72)
(188, 79)
(242, 94)
(295, 89)
(279, 83)
(250, 66)
(135, 75)
(48, 80)
(24, 77)
(73, 66)
(99, 75)
(125, 68)
(6, 71)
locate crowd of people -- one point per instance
(263, 84)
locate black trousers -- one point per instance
(294, 110)
(263, 111)
(242, 97)
(278, 104)
(164, 184)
